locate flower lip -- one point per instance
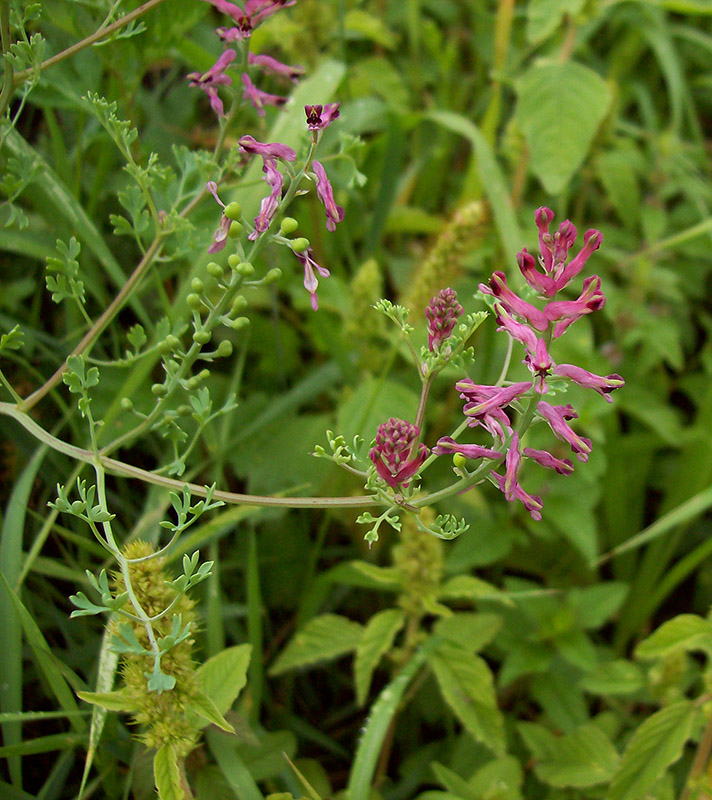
(321, 116)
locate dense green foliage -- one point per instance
(560, 658)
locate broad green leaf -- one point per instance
(656, 745)
(322, 638)
(366, 575)
(224, 675)
(167, 775)
(585, 757)
(596, 604)
(618, 677)
(470, 631)
(500, 779)
(468, 587)
(544, 17)
(456, 786)
(360, 24)
(114, 701)
(684, 632)
(559, 109)
(467, 686)
(204, 707)
(376, 640)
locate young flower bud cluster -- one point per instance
(489, 407)
(396, 454)
(442, 314)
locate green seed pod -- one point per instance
(233, 260)
(240, 323)
(288, 225)
(235, 230)
(215, 270)
(299, 245)
(126, 404)
(193, 301)
(239, 304)
(202, 337)
(224, 349)
(184, 411)
(272, 276)
(172, 341)
(233, 211)
(459, 460)
(245, 269)
(159, 390)
(197, 285)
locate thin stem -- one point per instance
(702, 757)
(16, 397)
(100, 325)
(77, 47)
(5, 38)
(127, 470)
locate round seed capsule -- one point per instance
(288, 225)
(126, 404)
(202, 337)
(193, 301)
(235, 230)
(184, 410)
(240, 323)
(459, 460)
(239, 304)
(224, 349)
(159, 390)
(197, 285)
(245, 269)
(172, 341)
(233, 211)
(272, 276)
(299, 245)
(215, 270)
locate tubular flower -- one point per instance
(483, 400)
(320, 117)
(509, 482)
(513, 303)
(266, 150)
(220, 235)
(334, 213)
(544, 459)
(270, 204)
(270, 64)
(214, 77)
(448, 446)
(392, 452)
(556, 416)
(604, 385)
(248, 18)
(442, 314)
(311, 283)
(258, 98)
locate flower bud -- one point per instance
(184, 410)
(215, 270)
(240, 323)
(288, 225)
(245, 269)
(235, 230)
(224, 349)
(299, 245)
(272, 276)
(233, 211)
(193, 383)
(233, 260)
(172, 342)
(202, 337)
(159, 390)
(239, 304)
(203, 374)
(193, 301)
(197, 285)
(127, 404)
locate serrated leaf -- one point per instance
(466, 684)
(470, 631)
(167, 775)
(467, 587)
(12, 340)
(204, 707)
(559, 109)
(656, 745)
(224, 675)
(684, 632)
(585, 757)
(322, 638)
(376, 640)
(114, 701)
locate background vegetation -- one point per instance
(458, 120)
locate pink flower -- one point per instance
(603, 385)
(509, 482)
(544, 459)
(540, 365)
(267, 150)
(270, 64)
(482, 400)
(391, 454)
(556, 416)
(270, 204)
(442, 314)
(447, 446)
(566, 312)
(334, 213)
(258, 98)
(513, 303)
(220, 235)
(214, 77)
(311, 282)
(320, 117)
(249, 18)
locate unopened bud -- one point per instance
(202, 337)
(193, 301)
(240, 323)
(197, 285)
(159, 390)
(288, 225)
(299, 245)
(233, 211)
(184, 411)
(127, 404)
(173, 342)
(235, 230)
(239, 304)
(224, 349)
(215, 270)
(245, 269)
(272, 276)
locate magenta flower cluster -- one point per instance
(442, 314)
(396, 453)
(490, 407)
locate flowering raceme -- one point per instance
(490, 407)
